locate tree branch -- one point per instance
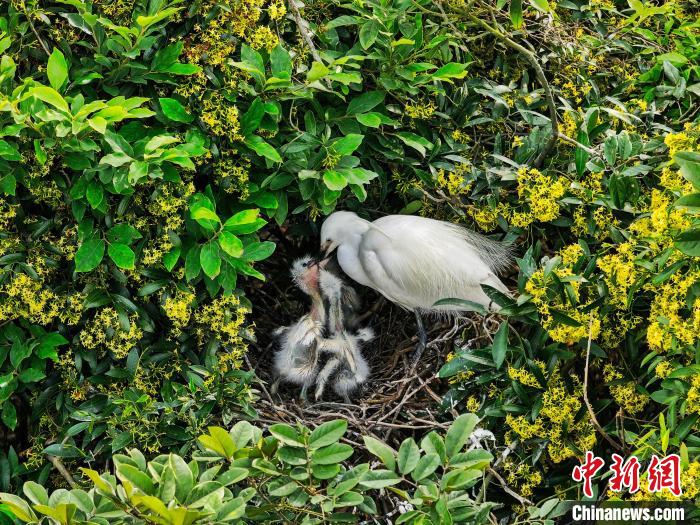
(62, 470)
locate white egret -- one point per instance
(347, 366)
(296, 360)
(415, 261)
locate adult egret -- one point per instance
(415, 261)
(296, 360)
(347, 366)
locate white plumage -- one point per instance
(346, 366)
(415, 261)
(296, 360)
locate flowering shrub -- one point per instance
(150, 150)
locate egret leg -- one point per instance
(422, 340)
(324, 375)
(275, 385)
(302, 395)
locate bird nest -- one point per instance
(396, 402)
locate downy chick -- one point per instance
(296, 360)
(346, 366)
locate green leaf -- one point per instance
(205, 217)
(327, 433)
(51, 97)
(334, 180)
(89, 255)
(123, 233)
(689, 242)
(368, 33)
(516, 13)
(31, 375)
(137, 478)
(246, 221)
(210, 260)
(689, 164)
(409, 454)
(415, 141)
(379, 479)
(317, 72)
(346, 145)
(257, 251)
(9, 152)
(57, 69)
(449, 71)
(262, 148)
(500, 344)
(382, 451)
(36, 493)
(192, 264)
(691, 202)
(459, 432)
(287, 435)
(174, 110)
(426, 466)
(365, 102)
(219, 441)
(334, 453)
(280, 63)
(122, 255)
(9, 415)
(95, 194)
(8, 185)
(371, 120)
(230, 244)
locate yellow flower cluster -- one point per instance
(223, 320)
(663, 369)
(232, 174)
(263, 38)
(221, 117)
(178, 308)
(556, 422)
(155, 250)
(620, 272)
(460, 377)
(7, 213)
(625, 394)
(107, 331)
(522, 476)
(541, 193)
(169, 202)
(568, 126)
(668, 321)
(525, 377)
(589, 323)
(460, 136)
(420, 110)
(454, 182)
(276, 10)
(30, 299)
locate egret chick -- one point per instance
(415, 261)
(347, 366)
(296, 360)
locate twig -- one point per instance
(492, 470)
(521, 499)
(576, 143)
(594, 420)
(301, 26)
(58, 465)
(36, 34)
